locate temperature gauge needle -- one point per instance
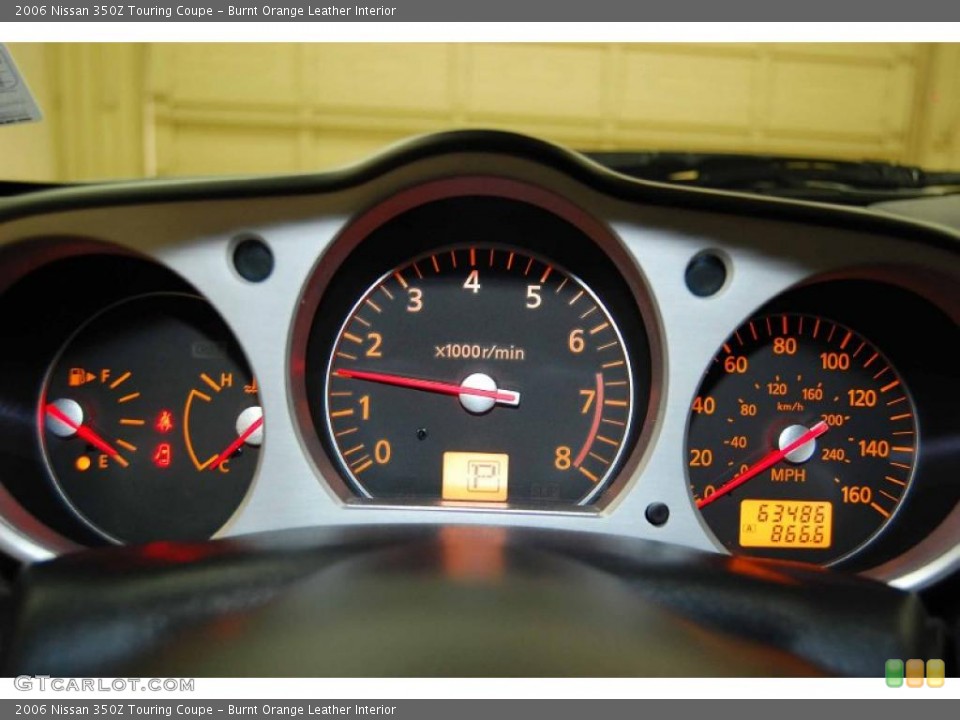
(232, 447)
(766, 462)
(85, 433)
(504, 397)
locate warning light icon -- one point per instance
(161, 455)
(164, 422)
(79, 376)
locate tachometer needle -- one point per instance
(766, 462)
(85, 433)
(504, 397)
(232, 447)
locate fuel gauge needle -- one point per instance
(764, 463)
(85, 433)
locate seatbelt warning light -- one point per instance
(164, 422)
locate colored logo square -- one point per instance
(914, 673)
(894, 673)
(936, 671)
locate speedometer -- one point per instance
(802, 439)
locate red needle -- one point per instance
(232, 447)
(769, 461)
(85, 433)
(505, 396)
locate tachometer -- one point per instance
(802, 440)
(479, 374)
(478, 342)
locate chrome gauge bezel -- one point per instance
(602, 240)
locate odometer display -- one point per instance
(785, 524)
(480, 373)
(802, 440)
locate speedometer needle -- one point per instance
(505, 397)
(85, 433)
(768, 461)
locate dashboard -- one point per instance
(479, 329)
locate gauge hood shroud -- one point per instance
(469, 141)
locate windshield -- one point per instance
(123, 110)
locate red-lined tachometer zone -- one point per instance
(595, 425)
(485, 350)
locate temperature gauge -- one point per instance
(207, 425)
(151, 422)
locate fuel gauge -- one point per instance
(151, 423)
(66, 417)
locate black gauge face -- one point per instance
(151, 422)
(479, 374)
(802, 440)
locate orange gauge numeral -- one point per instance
(855, 495)
(862, 398)
(590, 395)
(704, 405)
(835, 361)
(874, 448)
(785, 346)
(701, 457)
(376, 339)
(575, 341)
(736, 364)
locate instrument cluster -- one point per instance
(482, 335)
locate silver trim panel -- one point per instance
(766, 257)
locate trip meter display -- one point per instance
(496, 356)
(802, 439)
